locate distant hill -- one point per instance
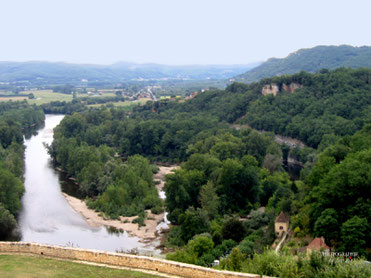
(47, 72)
(311, 60)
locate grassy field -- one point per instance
(123, 103)
(17, 266)
(45, 96)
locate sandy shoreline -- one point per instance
(146, 233)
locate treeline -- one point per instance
(157, 139)
(15, 117)
(77, 104)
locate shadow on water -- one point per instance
(293, 170)
(32, 131)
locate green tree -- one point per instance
(7, 223)
(209, 200)
(354, 234)
(327, 225)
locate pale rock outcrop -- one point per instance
(274, 88)
(270, 89)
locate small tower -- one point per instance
(281, 224)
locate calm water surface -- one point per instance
(46, 216)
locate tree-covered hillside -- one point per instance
(311, 60)
(329, 105)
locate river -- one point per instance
(46, 217)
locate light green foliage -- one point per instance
(132, 189)
(287, 265)
(209, 200)
(233, 261)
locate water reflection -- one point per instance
(46, 217)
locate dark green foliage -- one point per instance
(238, 185)
(327, 225)
(11, 190)
(233, 229)
(355, 234)
(192, 222)
(7, 222)
(15, 119)
(338, 188)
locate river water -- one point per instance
(46, 217)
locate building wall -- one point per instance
(126, 260)
(279, 231)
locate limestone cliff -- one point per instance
(274, 88)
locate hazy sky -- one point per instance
(176, 31)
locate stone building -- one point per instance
(281, 224)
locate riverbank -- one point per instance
(146, 233)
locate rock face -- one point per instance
(270, 89)
(291, 88)
(274, 88)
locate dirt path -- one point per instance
(280, 243)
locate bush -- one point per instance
(173, 237)
(233, 229)
(233, 261)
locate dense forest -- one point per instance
(231, 184)
(311, 60)
(15, 119)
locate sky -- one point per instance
(176, 32)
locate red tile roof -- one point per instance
(317, 244)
